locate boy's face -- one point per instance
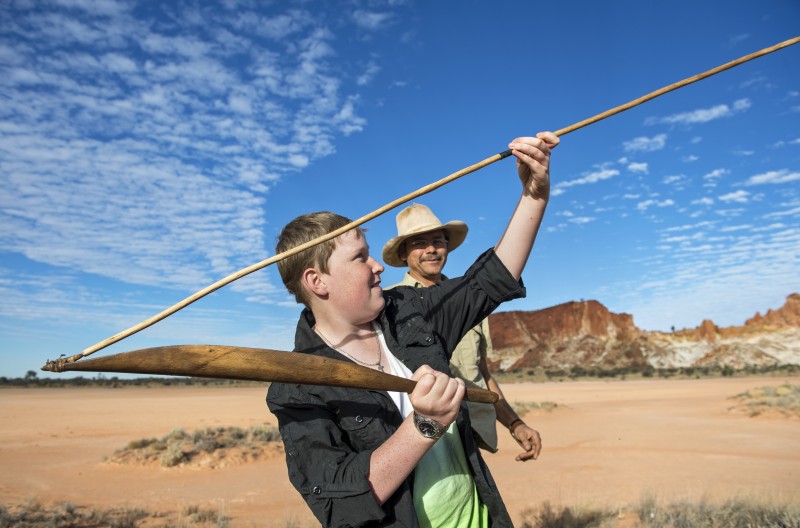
(353, 280)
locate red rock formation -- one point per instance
(786, 315)
(586, 334)
(707, 331)
(574, 332)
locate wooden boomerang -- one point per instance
(254, 364)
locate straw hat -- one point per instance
(417, 219)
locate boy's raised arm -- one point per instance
(533, 168)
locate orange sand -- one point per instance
(616, 441)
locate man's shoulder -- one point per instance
(408, 280)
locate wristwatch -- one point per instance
(428, 428)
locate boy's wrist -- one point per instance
(428, 427)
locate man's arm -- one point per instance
(526, 437)
(533, 168)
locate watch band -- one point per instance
(428, 428)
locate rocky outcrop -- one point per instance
(588, 335)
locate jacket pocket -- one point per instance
(361, 423)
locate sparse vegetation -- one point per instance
(32, 514)
(198, 516)
(540, 374)
(783, 399)
(31, 380)
(734, 513)
(522, 407)
(547, 517)
(180, 447)
(648, 513)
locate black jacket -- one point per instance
(329, 433)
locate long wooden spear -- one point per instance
(255, 364)
(57, 365)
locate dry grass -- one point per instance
(213, 446)
(522, 407)
(782, 399)
(568, 517)
(32, 514)
(648, 513)
(734, 513)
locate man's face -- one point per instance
(426, 255)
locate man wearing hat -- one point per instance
(422, 244)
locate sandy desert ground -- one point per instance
(614, 442)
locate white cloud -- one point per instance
(743, 152)
(371, 20)
(716, 174)
(703, 201)
(140, 151)
(591, 177)
(704, 115)
(729, 229)
(370, 72)
(645, 144)
(643, 206)
(675, 179)
(774, 177)
(737, 196)
(638, 167)
(795, 211)
(736, 39)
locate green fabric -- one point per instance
(444, 491)
(465, 363)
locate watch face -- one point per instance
(427, 429)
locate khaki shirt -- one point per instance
(464, 363)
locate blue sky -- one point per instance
(148, 149)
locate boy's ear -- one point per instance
(312, 279)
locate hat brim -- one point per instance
(456, 233)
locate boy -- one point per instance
(372, 458)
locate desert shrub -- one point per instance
(547, 517)
(522, 407)
(195, 515)
(32, 514)
(179, 446)
(734, 513)
(173, 455)
(784, 398)
(264, 433)
(141, 443)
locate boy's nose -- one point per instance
(376, 266)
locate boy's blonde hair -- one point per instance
(303, 229)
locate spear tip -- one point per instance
(55, 365)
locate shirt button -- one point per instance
(359, 418)
(317, 490)
(428, 339)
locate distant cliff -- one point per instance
(586, 334)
